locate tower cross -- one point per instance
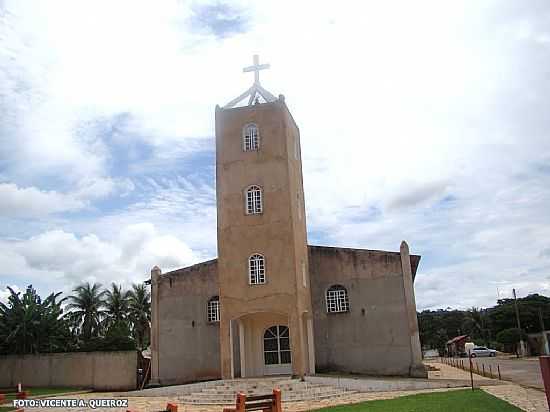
(256, 90)
(256, 67)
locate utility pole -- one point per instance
(543, 333)
(521, 343)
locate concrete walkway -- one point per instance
(524, 371)
(145, 404)
(527, 399)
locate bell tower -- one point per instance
(266, 323)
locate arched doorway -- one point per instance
(277, 358)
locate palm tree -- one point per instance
(139, 303)
(116, 306)
(87, 309)
(475, 323)
(29, 324)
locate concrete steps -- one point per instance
(292, 389)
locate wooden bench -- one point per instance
(245, 403)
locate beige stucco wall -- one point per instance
(374, 336)
(376, 342)
(94, 370)
(277, 233)
(188, 343)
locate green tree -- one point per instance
(116, 306)
(87, 311)
(475, 325)
(503, 315)
(117, 337)
(29, 324)
(139, 303)
(437, 327)
(510, 338)
(482, 325)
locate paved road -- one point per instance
(525, 371)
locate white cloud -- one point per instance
(71, 259)
(98, 188)
(31, 202)
(178, 207)
(422, 121)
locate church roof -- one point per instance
(192, 268)
(415, 260)
(187, 269)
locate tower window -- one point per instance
(256, 269)
(254, 200)
(251, 138)
(213, 309)
(337, 299)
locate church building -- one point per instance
(271, 304)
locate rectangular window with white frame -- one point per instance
(213, 310)
(337, 300)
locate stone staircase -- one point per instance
(292, 390)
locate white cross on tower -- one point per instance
(256, 91)
(256, 67)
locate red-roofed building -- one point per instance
(455, 346)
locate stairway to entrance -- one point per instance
(292, 390)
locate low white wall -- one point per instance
(92, 370)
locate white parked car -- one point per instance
(483, 351)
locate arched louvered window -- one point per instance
(337, 299)
(213, 309)
(256, 269)
(251, 138)
(254, 201)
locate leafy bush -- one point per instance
(510, 338)
(97, 320)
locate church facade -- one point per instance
(271, 304)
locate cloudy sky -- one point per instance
(426, 121)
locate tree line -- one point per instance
(91, 319)
(495, 327)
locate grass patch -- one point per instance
(40, 391)
(451, 401)
(50, 391)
